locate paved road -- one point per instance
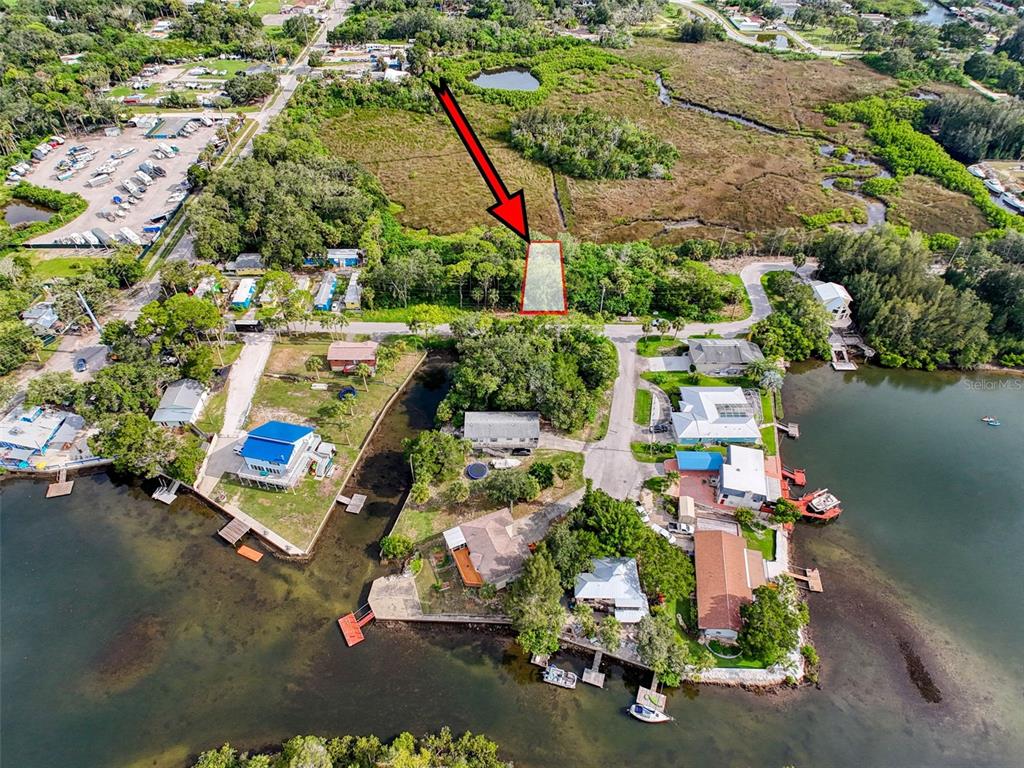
(735, 35)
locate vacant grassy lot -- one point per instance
(729, 179)
(658, 346)
(927, 206)
(296, 515)
(64, 266)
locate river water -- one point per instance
(131, 636)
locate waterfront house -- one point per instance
(33, 430)
(742, 481)
(727, 573)
(278, 455)
(613, 585)
(325, 292)
(181, 404)
(354, 291)
(488, 550)
(502, 430)
(244, 292)
(344, 356)
(836, 299)
(714, 415)
(246, 264)
(723, 357)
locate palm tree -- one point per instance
(315, 364)
(365, 372)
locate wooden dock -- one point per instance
(592, 676)
(650, 698)
(807, 577)
(233, 531)
(61, 486)
(541, 660)
(792, 429)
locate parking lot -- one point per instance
(152, 202)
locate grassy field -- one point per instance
(422, 521)
(642, 402)
(405, 314)
(657, 346)
(64, 266)
(929, 207)
(652, 453)
(212, 419)
(727, 176)
(296, 515)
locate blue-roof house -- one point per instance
(279, 454)
(325, 293)
(243, 295)
(699, 461)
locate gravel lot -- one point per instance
(154, 201)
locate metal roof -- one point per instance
(274, 441)
(179, 401)
(506, 424)
(615, 579)
(724, 352)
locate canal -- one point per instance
(132, 637)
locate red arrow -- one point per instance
(510, 210)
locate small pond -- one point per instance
(935, 15)
(514, 79)
(778, 42)
(25, 213)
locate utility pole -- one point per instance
(88, 311)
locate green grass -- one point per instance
(230, 352)
(768, 432)
(439, 312)
(652, 453)
(762, 541)
(263, 7)
(231, 66)
(212, 419)
(642, 402)
(70, 266)
(656, 346)
(768, 440)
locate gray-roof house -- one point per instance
(502, 429)
(613, 585)
(723, 357)
(181, 404)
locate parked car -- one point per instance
(522, 452)
(682, 528)
(660, 428)
(643, 513)
(81, 364)
(663, 533)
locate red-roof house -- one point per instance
(344, 356)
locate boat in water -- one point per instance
(976, 170)
(995, 423)
(1013, 201)
(560, 677)
(989, 419)
(648, 715)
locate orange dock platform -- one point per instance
(352, 627)
(250, 553)
(795, 476)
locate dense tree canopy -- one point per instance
(529, 364)
(436, 457)
(911, 316)
(771, 623)
(798, 326)
(533, 601)
(591, 145)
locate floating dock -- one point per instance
(792, 429)
(250, 553)
(592, 676)
(352, 626)
(61, 487)
(353, 505)
(167, 493)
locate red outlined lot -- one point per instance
(544, 291)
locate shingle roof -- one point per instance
(726, 571)
(480, 425)
(352, 350)
(724, 352)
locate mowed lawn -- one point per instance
(297, 514)
(728, 179)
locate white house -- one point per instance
(742, 481)
(181, 404)
(836, 299)
(613, 585)
(502, 429)
(714, 415)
